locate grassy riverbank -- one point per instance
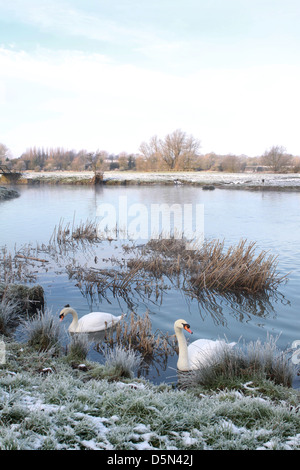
(46, 402)
(204, 179)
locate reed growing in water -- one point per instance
(207, 268)
(237, 269)
(212, 268)
(67, 234)
(137, 335)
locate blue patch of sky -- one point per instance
(164, 33)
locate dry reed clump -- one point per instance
(211, 268)
(19, 266)
(237, 269)
(168, 246)
(137, 335)
(203, 272)
(67, 234)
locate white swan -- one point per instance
(94, 321)
(197, 353)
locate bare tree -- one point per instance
(276, 158)
(233, 163)
(179, 150)
(176, 151)
(152, 152)
(4, 152)
(97, 161)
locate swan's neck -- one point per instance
(183, 359)
(74, 323)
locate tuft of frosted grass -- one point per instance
(270, 361)
(42, 331)
(78, 347)
(9, 316)
(232, 367)
(123, 361)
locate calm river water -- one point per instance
(271, 219)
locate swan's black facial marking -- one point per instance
(62, 315)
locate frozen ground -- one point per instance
(247, 179)
(214, 178)
(65, 409)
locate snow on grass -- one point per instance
(199, 177)
(60, 410)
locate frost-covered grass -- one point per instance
(46, 404)
(185, 177)
(123, 361)
(255, 362)
(42, 331)
(9, 316)
(78, 347)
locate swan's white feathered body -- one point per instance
(92, 322)
(198, 353)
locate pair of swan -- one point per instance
(190, 357)
(90, 323)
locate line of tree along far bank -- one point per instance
(178, 151)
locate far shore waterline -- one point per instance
(206, 179)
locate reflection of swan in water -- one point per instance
(92, 322)
(198, 352)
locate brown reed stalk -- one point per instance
(65, 235)
(237, 269)
(212, 267)
(137, 334)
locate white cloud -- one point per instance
(79, 100)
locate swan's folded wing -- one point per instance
(205, 351)
(97, 321)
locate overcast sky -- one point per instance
(109, 74)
